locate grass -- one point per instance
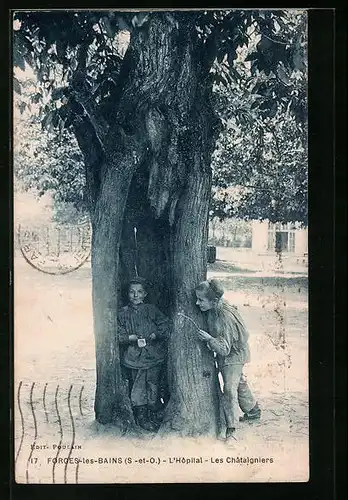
(227, 267)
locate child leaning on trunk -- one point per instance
(143, 333)
(227, 336)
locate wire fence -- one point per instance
(54, 239)
(54, 248)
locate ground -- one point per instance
(54, 383)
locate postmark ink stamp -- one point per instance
(55, 249)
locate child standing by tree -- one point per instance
(143, 331)
(228, 337)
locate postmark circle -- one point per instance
(55, 248)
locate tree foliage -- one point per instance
(46, 161)
(260, 171)
(262, 151)
(256, 61)
(137, 91)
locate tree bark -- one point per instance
(193, 407)
(111, 400)
(155, 176)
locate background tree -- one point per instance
(137, 91)
(268, 174)
(47, 161)
(262, 150)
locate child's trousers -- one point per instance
(145, 386)
(236, 393)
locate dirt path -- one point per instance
(55, 382)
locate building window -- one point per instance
(281, 237)
(291, 241)
(281, 241)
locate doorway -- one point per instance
(282, 241)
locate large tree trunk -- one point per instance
(155, 176)
(111, 401)
(193, 406)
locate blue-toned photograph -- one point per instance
(160, 246)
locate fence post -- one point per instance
(58, 241)
(48, 239)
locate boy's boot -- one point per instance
(154, 418)
(157, 413)
(252, 415)
(141, 416)
(149, 423)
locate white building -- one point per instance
(290, 237)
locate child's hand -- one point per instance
(133, 338)
(203, 335)
(153, 336)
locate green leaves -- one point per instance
(17, 86)
(22, 106)
(49, 41)
(47, 121)
(267, 47)
(36, 98)
(283, 75)
(260, 170)
(46, 162)
(268, 55)
(61, 47)
(298, 59)
(260, 164)
(18, 60)
(59, 92)
(140, 19)
(258, 75)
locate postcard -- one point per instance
(160, 246)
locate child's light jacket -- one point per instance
(230, 335)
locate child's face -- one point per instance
(203, 302)
(136, 294)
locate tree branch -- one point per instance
(81, 56)
(269, 38)
(93, 156)
(84, 97)
(80, 90)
